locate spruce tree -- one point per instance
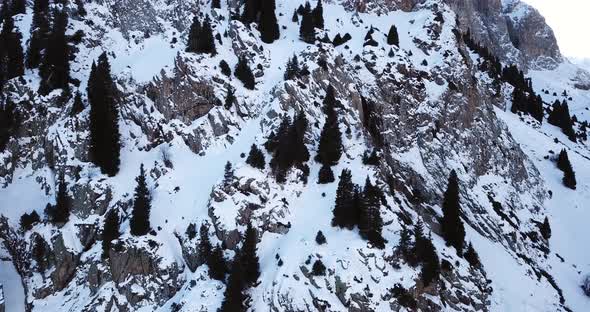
(545, 229)
(110, 231)
(39, 32)
(318, 269)
(269, 27)
(228, 175)
(330, 146)
(244, 73)
(320, 239)
(193, 36)
(18, 7)
(292, 70)
(234, 298)
(249, 258)
(206, 40)
(140, 217)
(563, 160)
(392, 36)
(307, 29)
(472, 257)
(430, 263)
(105, 146)
(295, 18)
(344, 207)
(215, 4)
(216, 264)
(318, 15)
(370, 221)
(297, 137)
(255, 157)
(251, 11)
(55, 63)
(204, 244)
(28, 220)
(282, 149)
(569, 178)
(9, 121)
(230, 98)
(405, 242)
(451, 224)
(11, 52)
(39, 253)
(61, 210)
(78, 105)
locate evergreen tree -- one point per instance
(28, 220)
(11, 52)
(297, 137)
(230, 97)
(392, 36)
(569, 178)
(326, 175)
(200, 38)
(228, 175)
(256, 158)
(38, 253)
(55, 63)
(344, 212)
(234, 298)
(225, 68)
(216, 264)
(251, 11)
(318, 268)
(563, 160)
(39, 32)
(78, 105)
(370, 221)
(560, 117)
(451, 224)
(18, 7)
(140, 218)
(405, 242)
(61, 211)
(204, 244)
(244, 73)
(110, 231)
(430, 263)
(105, 147)
(249, 258)
(307, 29)
(193, 36)
(215, 4)
(472, 257)
(330, 147)
(9, 122)
(318, 15)
(269, 27)
(295, 18)
(545, 229)
(292, 71)
(282, 149)
(320, 239)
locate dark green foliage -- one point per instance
(563, 161)
(105, 145)
(249, 258)
(39, 32)
(318, 15)
(200, 38)
(234, 298)
(78, 105)
(215, 4)
(80, 7)
(430, 263)
(295, 18)
(405, 242)
(292, 71)
(11, 52)
(472, 257)
(110, 231)
(269, 27)
(318, 268)
(545, 229)
(9, 123)
(191, 231)
(228, 175)
(142, 205)
(38, 253)
(60, 213)
(244, 74)
(560, 117)
(18, 7)
(251, 11)
(55, 63)
(330, 147)
(288, 146)
(225, 68)
(256, 158)
(326, 175)
(230, 98)
(371, 158)
(370, 221)
(204, 247)
(451, 224)
(216, 264)
(404, 298)
(320, 239)
(569, 176)
(307, 28)
(28, 220)
(528, 103)
(392, 36)
(345, 213)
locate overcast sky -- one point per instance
(570, 20)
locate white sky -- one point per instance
(570, 20)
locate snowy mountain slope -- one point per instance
(428, 129)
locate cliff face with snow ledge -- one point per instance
(437, 112)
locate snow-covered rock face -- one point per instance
(426, 104)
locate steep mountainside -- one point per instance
(410, 114)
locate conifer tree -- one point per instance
(405, 242)
(38, 253)
(370, 221)
(307, 29)
(545, 229)
(269, 27)
(28, 220)
(249, 258)
(215, 4)
(204, 244)
(430, 263)
(326, 175)
(297, 137)
(234, 298)
(9, 121)
(569, 177)
(55, 63)
(228, 175)
(392, 36)
(563, 160)
(39, 32)
(230, 97)
(344, 212)
(140, 218)
(295, 18)
(105, 147)
(11, 52)
(78, 105)
(110, 231)
(320, 239)
(193, 36)
(256, 158)
(292, 71)
(330, 147)
(244, 74)
(318, 15)
(61, 211)
(318, 268)
(206, 40)
(451, 224)
(472, 257)
(251, 11)
(18, 7)
(281, 147)
(216, 264)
